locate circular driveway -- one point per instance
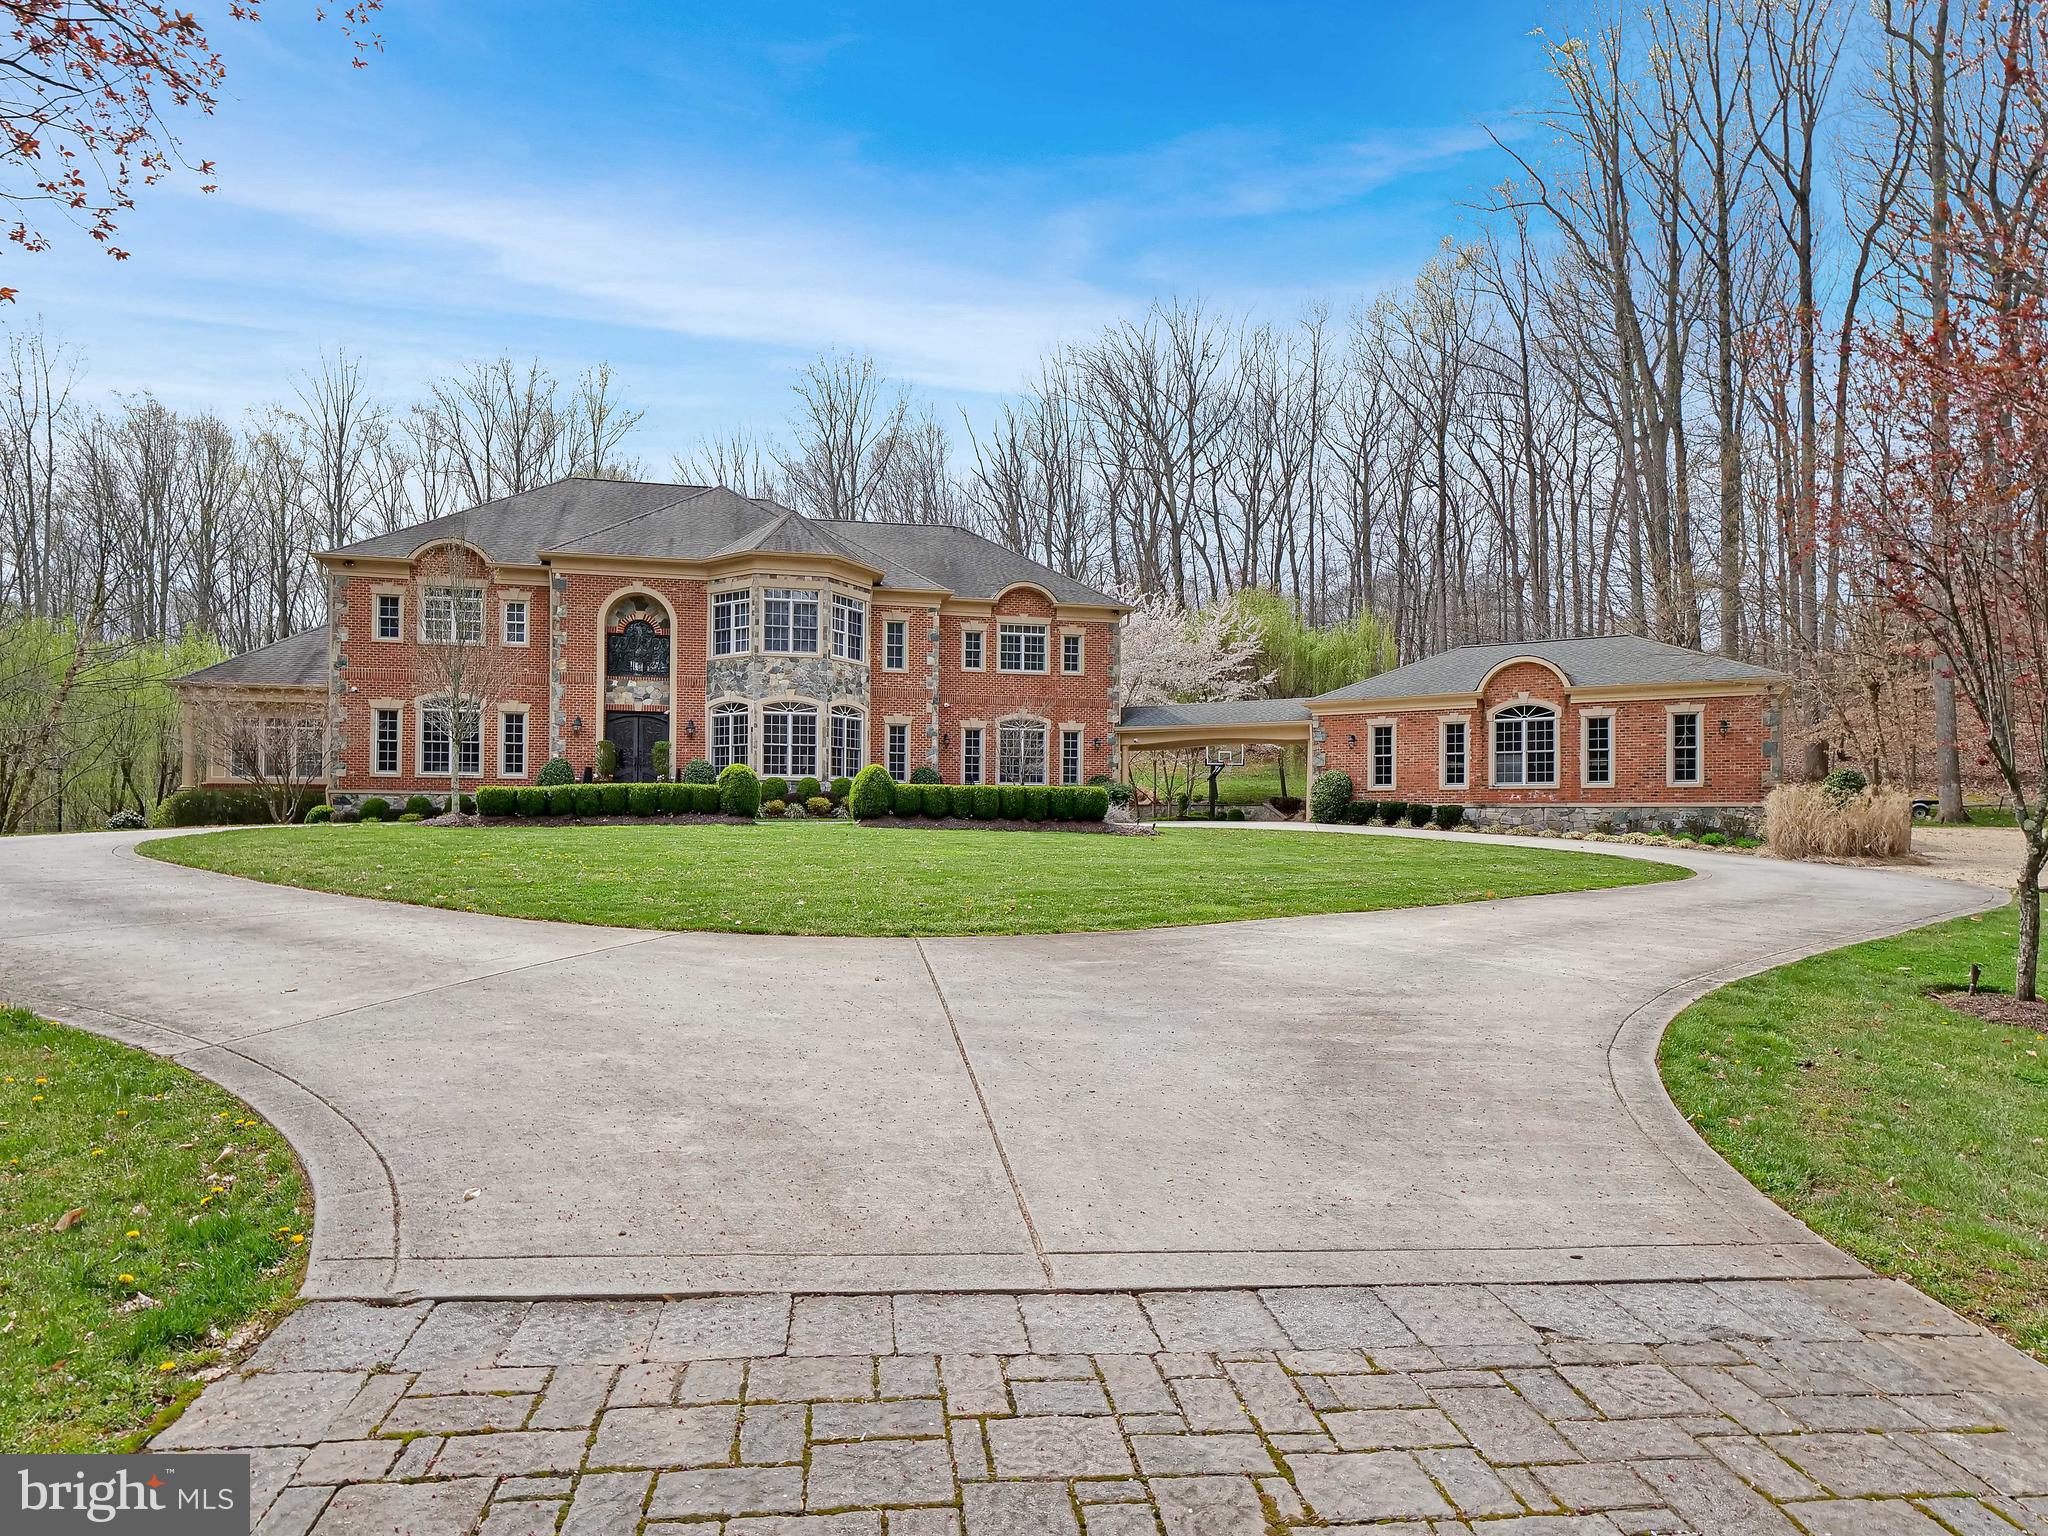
(497, 1107)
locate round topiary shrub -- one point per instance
(819, 805)
(1091, 803)
(315, 814)
(1418, 814)
(556, 770)
(807, 789)
(873, 793)
(839, 789)
(739, 791)
(1329, 797)
(495, 800)
(376, 808)
(773, 788)
(1448, 816)
(698, 770)
(924, 773)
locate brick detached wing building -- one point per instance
(728, 626)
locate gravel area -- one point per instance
(1976, 855)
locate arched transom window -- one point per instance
(637, 650)
(728, 735)
(1525, 745)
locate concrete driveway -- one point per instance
(492, 1107)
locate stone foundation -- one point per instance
(1730, 820)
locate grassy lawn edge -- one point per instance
(1905, 1132)
(185, 1256)
(837, 878)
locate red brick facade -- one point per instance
(557, 677)
(1735, 767)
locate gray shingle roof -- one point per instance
(513, 529)
(1590, 661)
(1231, 712)
(297, 661)
(957, 561)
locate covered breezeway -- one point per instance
(1282, 723)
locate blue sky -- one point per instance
(708, 195)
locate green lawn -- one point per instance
(838, 878)
(1907, 1133)
(192, 1220)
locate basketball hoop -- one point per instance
(1224, 757)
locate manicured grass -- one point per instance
(193, 1223)
(1905, 1132)
(835, 877)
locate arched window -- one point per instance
(638, 650)
(1525, 746)
(789, 741)
(728, 735)
(849, 741)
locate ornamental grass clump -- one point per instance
(1813, 821)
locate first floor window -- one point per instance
(1685, 748)
(1020, 752)
(898, 753)
(388, 621)
(789, 621)
(1454, 754)
(1383, 757)
(515, 621)
(849, 628)
(1070, 653)
(512, 744)
(1525, 746)
(433, 740)
(970, 755)
(728, 735)
(970, 649)
(1020, 648)
(895, 645)
(384, 736)
(789, 741)
(290, 748)
(443, 729)
(1599, 749)
(732, 623)
(1070, 757)
(849, 730)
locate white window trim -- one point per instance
(505, 712)
(1586, 718)
(1080, 638)
(1393, 729)
(1699, 750)
(1556, 744)
(729, 707)
(847, 602)
(746, 638)
(1022, 625)
(1443, 755)
(980, 729)
(1049, 737)
(890, 726)
(397, 772)
(1058, 750)
(376, 596)
(790, 707)
(505, 607)
(454, 612)
(820, 624)
(974, 629)
(421, 709)
(887, 621)
(831, 747)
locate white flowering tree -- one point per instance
(1175, 655)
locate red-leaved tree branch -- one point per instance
(89, 90)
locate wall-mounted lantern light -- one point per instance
(689, 730)
(576, 726)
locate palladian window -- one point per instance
(1525, 746)
(789, 740)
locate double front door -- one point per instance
(635, 734)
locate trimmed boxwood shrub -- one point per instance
(839, 789)
(1361, 813)
(411, 818)
(819, 805)
(873, 792)
(807, 789)
(739, 791)
(1393, 812)
(618, 799)
(773, 788)
(496, 800)
(556, 770)
(960, 801)
(644, 799)
(708, 801)
(1419, 814)
(1034, 803)
(908, 799)
(938, 800)
(531, 802)
(924, 773)
(698, 770)
(375, 808)
(1329, 796)
(565, 800)
(1091, 804)
(314, 815)
(1448, 816)
(987, 801)
(468, 804)
(589, 800)
(1013, 802)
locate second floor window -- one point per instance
(732, 623)
(849, 628)
(515, 621)
(389, 626)
(1070, 653)
(970, 649)
(1021, 648)
(895, 645)
(453, 615)
(789, 621)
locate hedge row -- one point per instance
(876, 794)
(1329, 800)
(222, 807)
(502, 800)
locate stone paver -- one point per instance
(1248, 1414)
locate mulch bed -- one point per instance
(1996, 1008)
